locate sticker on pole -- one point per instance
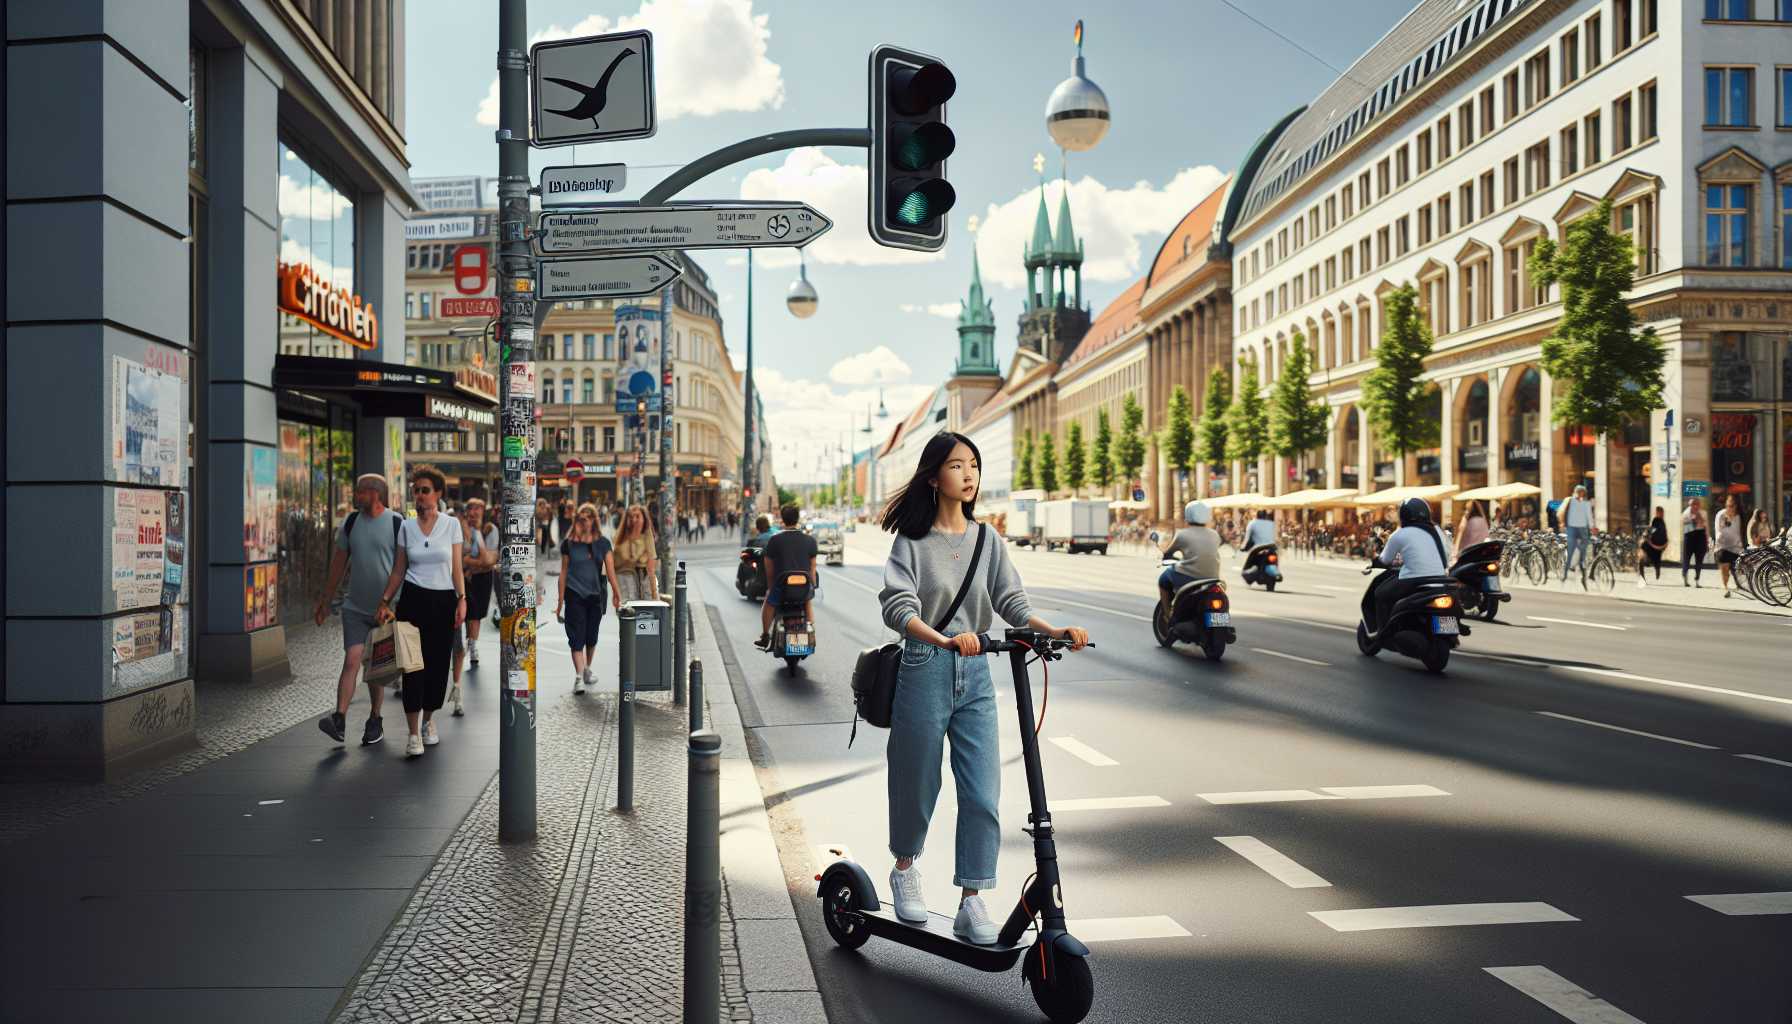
(592, 88)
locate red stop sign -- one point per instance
(575, 470)
(472, 269)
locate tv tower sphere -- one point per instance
(1077, 115)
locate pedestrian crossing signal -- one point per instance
(909, 194)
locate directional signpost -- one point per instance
(581, 186)
(604, 277)
(592, 89)
(626, 227)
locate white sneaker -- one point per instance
(588, 680)
(905, 892)
(973, 924)
(578, 684)
(413, 747)
(454, 698)
(430, 738)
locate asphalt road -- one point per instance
(1300, 833)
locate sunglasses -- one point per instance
(421, 489)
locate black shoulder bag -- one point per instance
(874, 675)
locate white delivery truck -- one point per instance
(1075, 525)
(1023, 523)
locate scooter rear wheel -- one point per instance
(1269, 585)
(1160, 627)
(842, 919)
(791, 662)
(1214, 648)
(1067, 996)
(1437, 655)
(1490, 611)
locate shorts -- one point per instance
(355, 627)
(479, 594)
(775, 596)
(583, 615)
(1727, 557)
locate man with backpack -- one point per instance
(365, 545)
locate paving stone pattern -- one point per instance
(585, 924)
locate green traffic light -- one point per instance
(923, 203)
(923, 146)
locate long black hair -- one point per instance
(911, 510)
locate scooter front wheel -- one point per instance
(1066, 996)
(1363, 643)
(839, 912)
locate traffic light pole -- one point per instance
(516, 337)
(668, 486)
(747, 463)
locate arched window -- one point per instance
(547, 390)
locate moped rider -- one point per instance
(1199, 548)
(1416, 548)
(1261, 532)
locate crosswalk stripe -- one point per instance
(1278, 865)
(1561, 995)
(1117, 929)
(1108, 803)
(1747, 904)
(1442, 915)
(1077, 748)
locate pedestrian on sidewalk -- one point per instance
(481, 571)
(635, 561)
(1577, 519)
(1473, 529)
(473, 552)
(427, 566)
(367, 558)
(548, 536)
(944, 689)
(1729, 539)
(586, 562)
(1760, 529)
(1653, 544)
(1693, 540)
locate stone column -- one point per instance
(1447, 439)
(1546, 455)
(1496, 429)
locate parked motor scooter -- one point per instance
(1199, 613)
(1263, 565)
(1425, 624)
(1477, 571)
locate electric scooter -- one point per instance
(1057, 965)
(793, 639)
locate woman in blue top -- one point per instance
(585, 563)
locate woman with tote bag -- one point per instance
(635, 558)
(427, 565)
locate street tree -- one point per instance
(1129, 445)
(1212, 440)
(1023, 463)
(1101, 453)
(1178, 436)
(1297, 420)
(1048, 464)
(1397, 401)
(1076, 456)
(1247, 423)
(1611, 373)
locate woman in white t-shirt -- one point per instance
(427, 565)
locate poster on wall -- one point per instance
(638, 347)
(261, 515)
(147, 433)
(261, 596)
(395, 461)
(140, 548)
(174, 547)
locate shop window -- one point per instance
(317, 230)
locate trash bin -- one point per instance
(653, 633)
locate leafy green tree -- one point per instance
(1076, 455)
(1297, 420)
(1611, 373)
(1023, 463)
(1129, 446)
(1394, 396)
(786, 496)
(1178, 437)
(1247, 423)
(1048, 464)
(1101, 453)
(1212, 443)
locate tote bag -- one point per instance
(409, 643)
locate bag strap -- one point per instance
(348, 525)
(1439, 541)
(965, 587)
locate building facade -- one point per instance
(1470, 133)
(204, 265)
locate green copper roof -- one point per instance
(1041, 246)
(1066, 247)
(976, 310)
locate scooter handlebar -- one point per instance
(1038, 642)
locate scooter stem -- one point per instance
(1044, 895)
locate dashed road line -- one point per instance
(1747, 904)
(1276, 864)
(1766, 759)
(1329, 586)
(1077, 748)
(1291, 657)
(1611, 673)
(1118, 929)
(1561, 995)
(1277, 796)
(1633, 732)
(1446, 915)
(1578, 622)
(1108, 803)
(1381, 792)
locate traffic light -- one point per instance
(910, 142)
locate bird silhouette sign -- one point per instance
(592, 89)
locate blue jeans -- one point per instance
(941, 695)
(1173, 579)
(1579, 538)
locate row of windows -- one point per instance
(1521, 89)
(703, 393)
(1106, 393)
(1730, 96)
(1744, 10)
(705, 439)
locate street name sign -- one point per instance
(605, 277)
(626, 227)
(581, 186)
(592, 89)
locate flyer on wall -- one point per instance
(147, 433)
(261, 513)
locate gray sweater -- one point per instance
(922, 577)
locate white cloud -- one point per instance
(1109, 221)
(709, 57)
(838, 191)
(808, 420)
(869, 368)
(313, 202)
(949, 310)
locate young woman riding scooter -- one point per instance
(945, 689)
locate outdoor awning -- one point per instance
(1315, 498)
(1396, 495)
(388, 389)
(1498, 492)
(1249, 499)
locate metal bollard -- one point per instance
(703, 881)
(696, 694)
(625, 715)
(681, 610)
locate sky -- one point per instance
(1192, 83)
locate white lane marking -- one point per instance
(1329, 586)
(268, 803)
(1116, 929)
(1769, 760)
(1381, 792)
(1077, 748)
(1278, 865)
(1633, 677)
(1291, 657)
(1577, 622)
(1108, 803)
(1561, 995)
(1264, 796)
(1747, 904)
(1438, 916)
(1103, 609)
(1633, 732)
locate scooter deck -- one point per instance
(936, 937)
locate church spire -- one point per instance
(976, 324)
(1040, 249)
(1065, 248)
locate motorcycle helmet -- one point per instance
(1414, 511)
(1197, 513)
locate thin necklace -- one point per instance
(958, 545)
